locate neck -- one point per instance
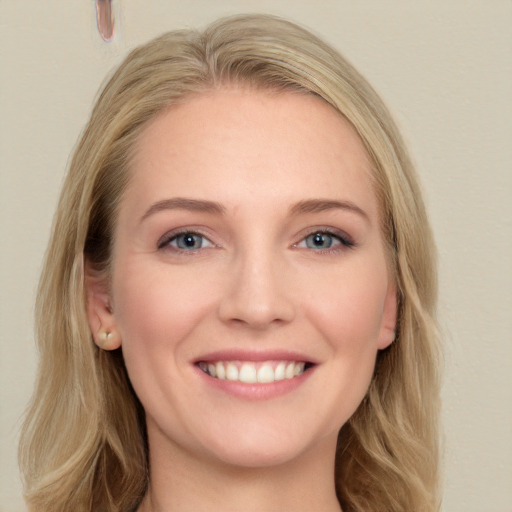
(182, 483)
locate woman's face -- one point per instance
(250, 289)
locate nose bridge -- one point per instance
(257, 293)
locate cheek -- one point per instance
(156, 307)
(348, 308)
(347, 312)
(157, 310)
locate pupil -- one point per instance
(190, 241)
(319, 239)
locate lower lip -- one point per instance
(264, 391)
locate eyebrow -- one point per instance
(182, 203)
(212, 207)
(322, 205)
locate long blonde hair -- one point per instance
(83, 444)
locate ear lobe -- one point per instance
(389, 318)
(99, 310)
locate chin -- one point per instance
(258, 447)
(258, 457)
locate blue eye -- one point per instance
(320, 241)
(186, 241)
(325, 241)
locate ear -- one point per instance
(389, 318)
(99, 310)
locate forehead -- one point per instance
(233, 141)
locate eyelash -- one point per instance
(166, 240)
(345, 242)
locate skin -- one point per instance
(257, 284)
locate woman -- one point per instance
(237, 309)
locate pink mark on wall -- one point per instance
(105, 19)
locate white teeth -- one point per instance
(290, 371)
(231, 372)
(248, 374)
(266, 374)
(220, 371)
(212, 370)
(251, 372)
(299, 368)
(279, 372)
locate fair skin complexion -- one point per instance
(248, 241)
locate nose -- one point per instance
(258, 293)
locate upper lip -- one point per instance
(255, 356)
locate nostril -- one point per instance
(256, 312)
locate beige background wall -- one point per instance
(445, 69)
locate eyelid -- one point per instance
(346, 241)
(164, 240)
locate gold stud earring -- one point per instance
(105, 336)
(105, 339)
(108, 340)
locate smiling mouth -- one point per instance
(250, 372)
